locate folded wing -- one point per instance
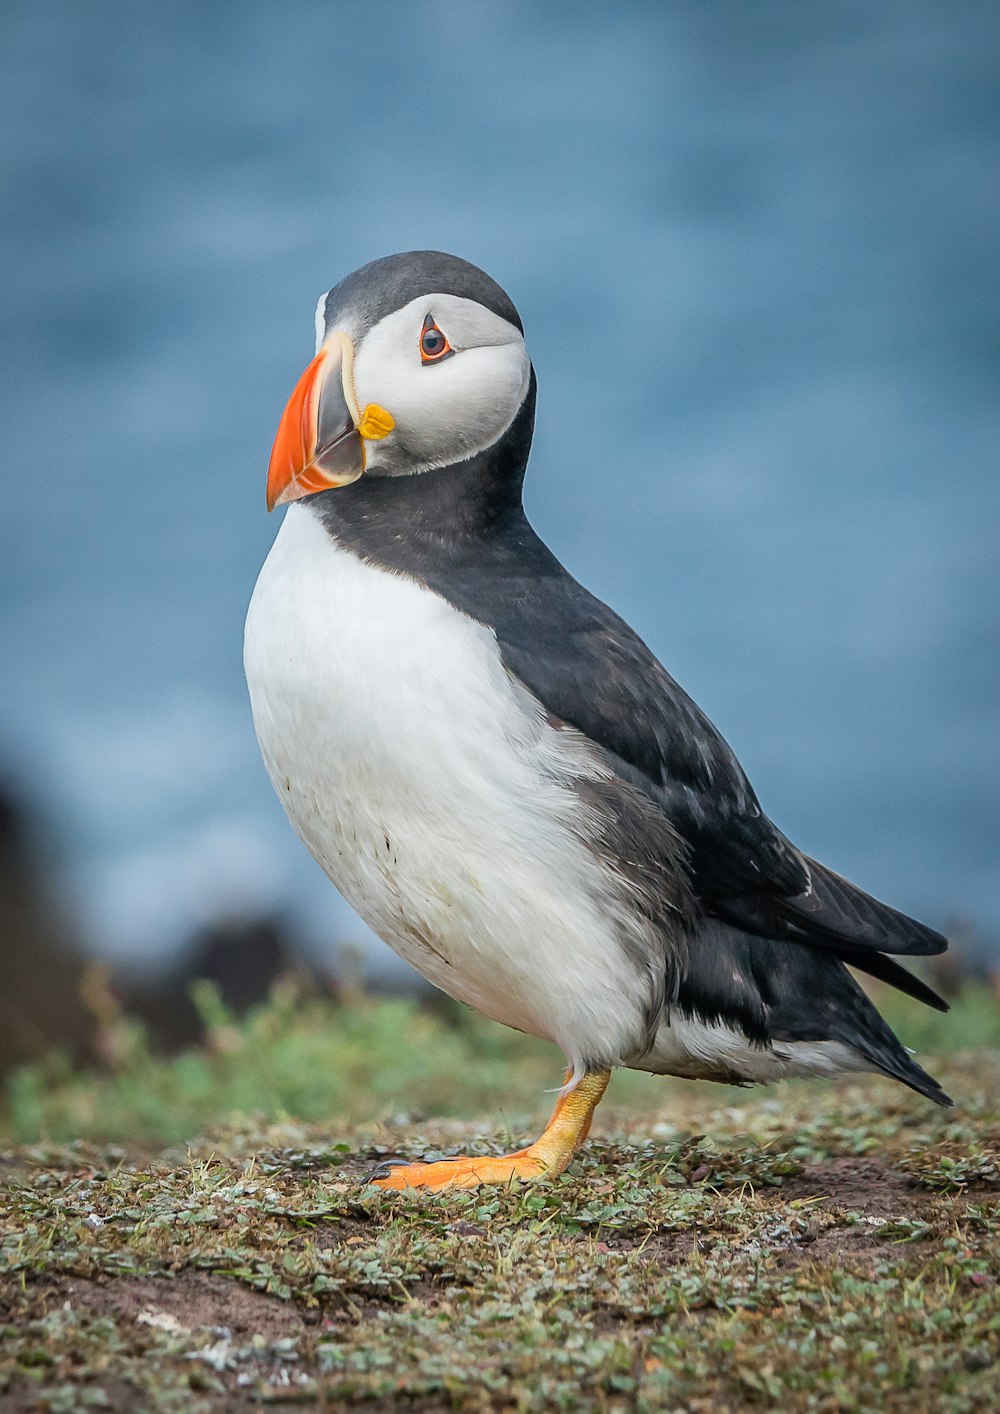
(591, 672)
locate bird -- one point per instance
(494, 769)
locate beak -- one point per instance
(318, 442)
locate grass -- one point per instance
(192, 1234)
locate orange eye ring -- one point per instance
(434, 345)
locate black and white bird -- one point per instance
(493, 768)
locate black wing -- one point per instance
(590, 671)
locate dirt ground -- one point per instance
(830, 1250)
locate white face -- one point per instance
(447, 410)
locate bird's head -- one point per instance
(420, 364)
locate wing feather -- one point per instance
(596, 675)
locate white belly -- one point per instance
(435, 795)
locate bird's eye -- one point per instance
(434, 345)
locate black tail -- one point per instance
(878, 965)
(779, 990)
(864, 1029)
(847, 1014)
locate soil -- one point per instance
(216, 1308)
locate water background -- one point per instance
(755, 251)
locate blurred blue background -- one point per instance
(755, 251)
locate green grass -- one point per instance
(813, 1247)
(312, 1059)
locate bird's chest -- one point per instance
(396, 742)
(431, 788)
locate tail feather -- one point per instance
(877, 1043)
(777, 990)
(835, 913)
(846, 1013)
(886, 970)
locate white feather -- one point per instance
(700, 1050)
(319, 320)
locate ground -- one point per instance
(815, 1247)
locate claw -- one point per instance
(384, 1169)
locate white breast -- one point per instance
(436, 796)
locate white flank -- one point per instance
(700, 1050)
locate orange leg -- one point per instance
(546, 1158)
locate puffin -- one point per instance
(494, 769)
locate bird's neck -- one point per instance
(436, 517)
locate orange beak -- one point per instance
(318, 444)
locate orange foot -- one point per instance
(546, 1158)
(460, 1173)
